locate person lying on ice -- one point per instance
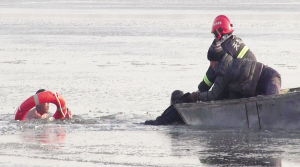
(230, 48)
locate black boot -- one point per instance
(168, 117)
(171, 115)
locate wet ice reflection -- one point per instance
(44, 134)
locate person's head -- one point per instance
(42, 108)
(221, 26)
(40, 90)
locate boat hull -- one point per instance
(261, 112)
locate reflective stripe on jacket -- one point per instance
(233, 46)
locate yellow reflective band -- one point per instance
(207, 81)
(243, 52)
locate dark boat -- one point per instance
(261, 112)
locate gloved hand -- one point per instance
(186, 98)
(215, 52)
(195, 96)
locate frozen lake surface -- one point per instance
(116, 62)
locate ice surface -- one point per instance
(116, 63)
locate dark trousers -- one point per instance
(269, 82)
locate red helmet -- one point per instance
(221, 26)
